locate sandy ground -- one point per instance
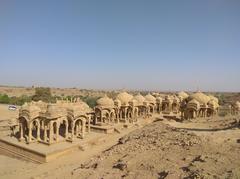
(6, 117)
(6, 114)
(18, 91)
(203, 148)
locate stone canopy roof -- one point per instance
(200, 97)
(139, 98)
(124, 98)
(105, 102)
(150, 98)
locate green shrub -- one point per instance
(43, 94)
(4, 99)
(20, 100)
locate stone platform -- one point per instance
(39, 153)
(102, 129)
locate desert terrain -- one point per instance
(160, 148)
(202, 148)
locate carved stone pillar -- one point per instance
(66, 131)
(72, 134)
(45, 133)
(50, 132)
(21, 131)
(38, 132)
(30, 133)
(83, 128)
(89, 125)
(57, 132)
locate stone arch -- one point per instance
(63, 128)
(151, 108)
(79, 126)
(98, 115)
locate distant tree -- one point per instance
(91, 101)
(43, 94)
(4, 99)
(222, 99)
(20, 100)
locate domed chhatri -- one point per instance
(139, 98)
(124, 98)
(150, 98)
(105, 111)
(183, 95)
(105, 102)
(200, 105)
(53, 121)
(200, 97)
(213, 98)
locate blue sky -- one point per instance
(131, 44)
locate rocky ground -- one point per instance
(162, 151)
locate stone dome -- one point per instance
(82, 106)
(54, 111)
(139, 98)
(124, 98)
(105, 102)
(31, 110)
(200, 97)
(133, 102)
(79, 108)
(30, 107)
(42, 105)
(183, 95)
(159, 99)
(150, 98)
(213, 103)
(213, 98)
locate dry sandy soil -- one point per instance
(204, 148)
(6, 117)
(18, 91)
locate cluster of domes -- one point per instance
(125, 99)
(59, 109)
(200, 98)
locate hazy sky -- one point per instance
(115, 44)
